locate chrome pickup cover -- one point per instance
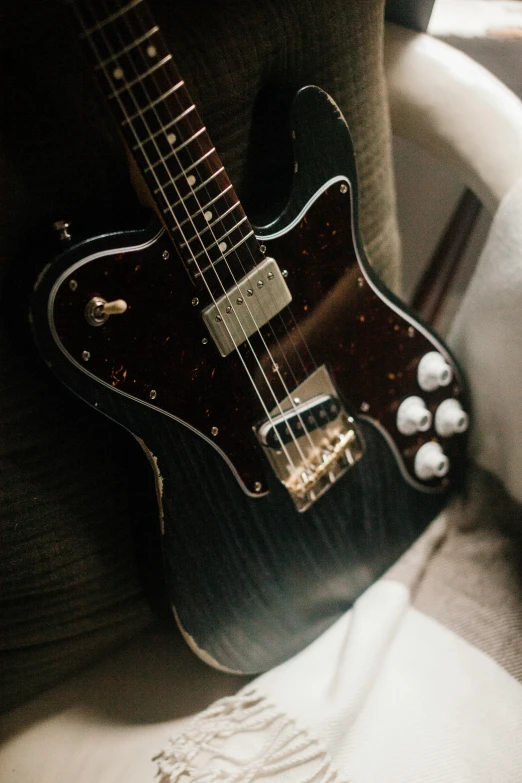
(247, 306)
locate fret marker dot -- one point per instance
(222, 246)
(191, 180)
(118, 73)
(207, 215)
(171, 138)
(152, 51)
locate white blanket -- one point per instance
(387, 695)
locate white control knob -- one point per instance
(431, 462)
(413, 416)
(433, 371)
(450, 419)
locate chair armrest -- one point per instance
(450, 105)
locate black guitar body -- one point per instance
(252, 580)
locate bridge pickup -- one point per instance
(247, 306)
(303, 417)
(310, 439)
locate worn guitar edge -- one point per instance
(191, 642)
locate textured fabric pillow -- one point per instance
(70, 587)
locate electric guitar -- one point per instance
(303, 426)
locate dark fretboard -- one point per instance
(165, 134)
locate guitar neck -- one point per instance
(166, 137)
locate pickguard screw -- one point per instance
(262, 248)
(218, 318)
(365, 407)
(249, 292)
(258, 486)
(239, 300)
(86, 356)
(153, 394)
(270, 275)
(214, 431)
(73, 285)
(195, 302)
(260, 284)
(285, 272)
(360, 282)
(165, 255)
(411, 331)
(205, 340)
(344, 187)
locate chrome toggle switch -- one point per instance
(98, 310)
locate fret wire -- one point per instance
(161, 189)
(180, 147)
(210, 225)
(216, 242)
(193, 165)
(150, 106)
(206, 206)
(127, 48)
(165, 127)
(176, 150)
(172, 153)
(154, 103)
(184, 172)
(140, 78)
(111, 18)
(224, 255)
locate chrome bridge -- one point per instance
(310, 440)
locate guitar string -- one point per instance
(336, 501)
(311, 415)
(267, 413)
(297, 412)
(212, 264)
(299, 415)
(291, 463)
